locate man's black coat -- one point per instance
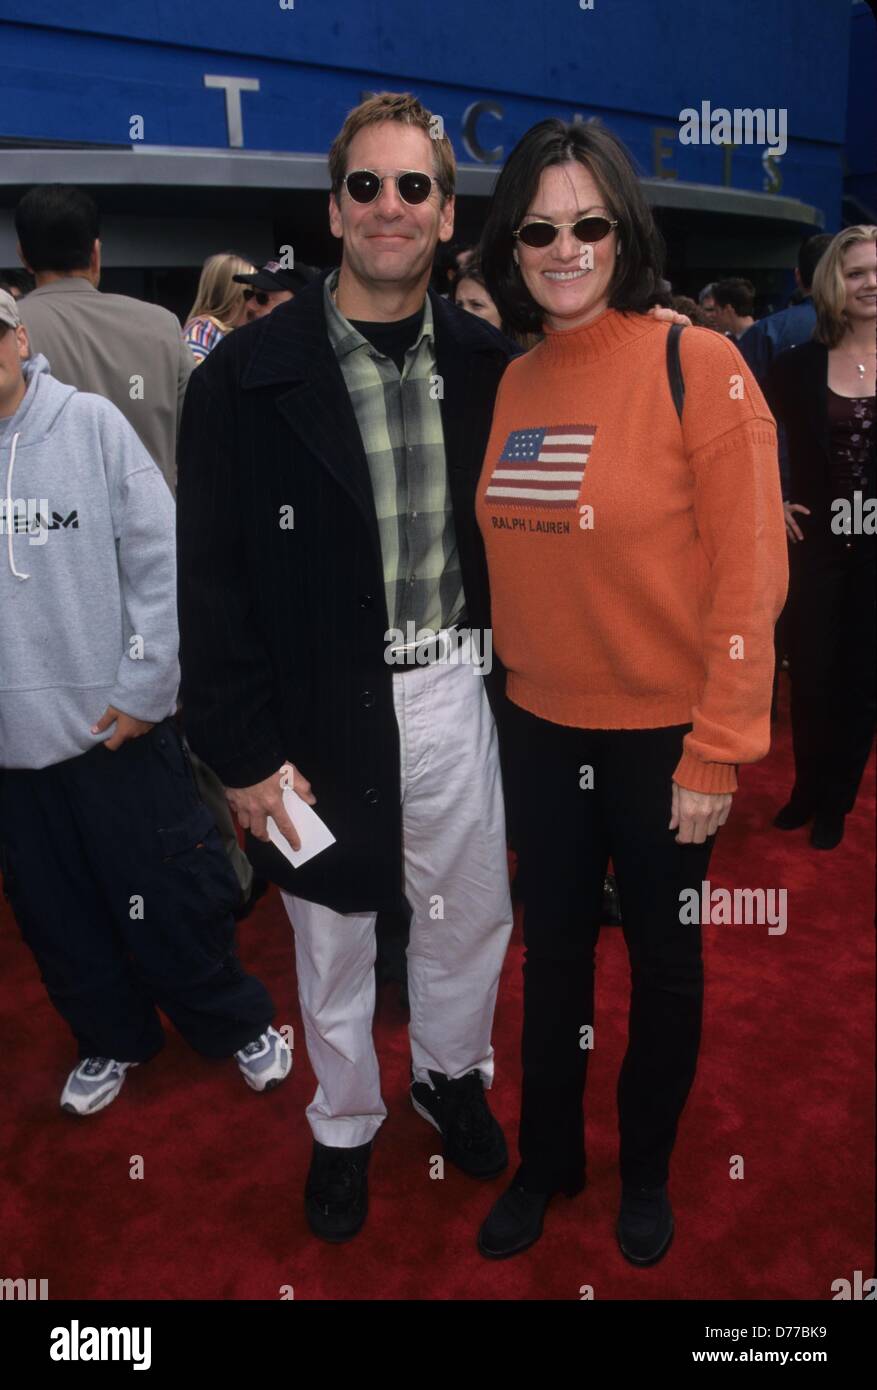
(281, 595)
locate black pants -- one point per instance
(564, 836)
(833, 644)
(212, 793)
(118, 880)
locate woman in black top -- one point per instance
(823, 393)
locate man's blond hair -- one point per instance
(394, 106)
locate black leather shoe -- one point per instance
(645, 1224)
(827, 832)
(515, 1222)
(336, 1192)
(472, 1138)
(792, 816)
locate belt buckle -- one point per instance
(440, 640)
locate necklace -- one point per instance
(860, 366)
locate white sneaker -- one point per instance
(93, 1085)
(265, 1061)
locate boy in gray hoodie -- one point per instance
(112, 865)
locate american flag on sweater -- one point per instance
(542, 467)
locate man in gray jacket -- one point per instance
(122, 348)
(111, 863)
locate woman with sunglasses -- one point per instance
(220, 304)
(637, 565)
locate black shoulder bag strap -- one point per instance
(674, 367)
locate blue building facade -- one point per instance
(860, 182)
(203, 126)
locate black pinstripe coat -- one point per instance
(282, 629)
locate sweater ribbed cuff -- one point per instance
(697, 776)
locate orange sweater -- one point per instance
(637, 568)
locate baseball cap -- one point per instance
(273, 277)
(9, 310)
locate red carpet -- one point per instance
(786, 1080)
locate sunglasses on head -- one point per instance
(364, 186)
(260, 296)
(589, 229)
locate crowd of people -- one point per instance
(214, 537)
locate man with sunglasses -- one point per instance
(271, 286)
(328, 463)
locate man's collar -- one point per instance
(292, 344)
(65, 285)
(342, 335)
(345, 338)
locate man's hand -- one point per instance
(126, 727)
(253, 805)
(793, 530)
(697, 814)
(669, 315)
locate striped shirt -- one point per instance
(400, 423)
(202, 335)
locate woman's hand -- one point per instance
(793, 530)
(697, 814)
(663, 315)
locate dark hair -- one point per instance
(444, 265)
(16, 280)
(472, 271)
(684, 304)
(57, 227)
(811, 253)
(554, 142)
(739, 293)
(407, 110)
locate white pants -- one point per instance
(456, 882)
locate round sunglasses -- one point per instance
(364, 185)
(260, 296)
(541, 234)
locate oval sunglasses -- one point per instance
(364, 185)
(540, 234)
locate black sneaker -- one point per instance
(336, 1192)
(792, 816)
(645, 1224)
(458, 1109)
(515, 1221)
(827, 832)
